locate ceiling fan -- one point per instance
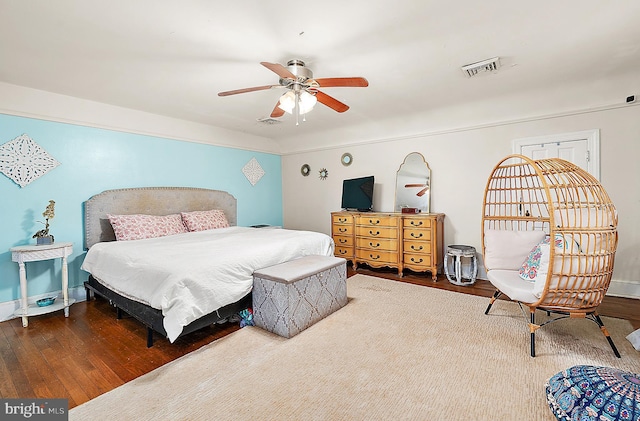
(302, 89)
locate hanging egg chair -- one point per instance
(549, 235)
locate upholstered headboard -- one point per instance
(149, 201)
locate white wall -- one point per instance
(460, 162)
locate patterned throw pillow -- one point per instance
(138, 227)
(536, 266)
(537, 263)
(204, 220)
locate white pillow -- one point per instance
(506, 249)
(583, 218)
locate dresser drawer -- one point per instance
(376, 232)
(418, 262)
(412, 246)
(409, 222)
(342, 219)
(383, 244)
(377, 256)
(375, 221)
(345, 230)
(343, 241)
(346, 252)
(416, 234)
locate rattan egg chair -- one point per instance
(549, 236)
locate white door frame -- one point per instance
(592, 138)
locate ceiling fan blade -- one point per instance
(242, 91)
(422, 192)
(331, 102)
(277, 111)
(329, 82)
(279, 69)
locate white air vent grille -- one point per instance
(489, 65)
(269, 121)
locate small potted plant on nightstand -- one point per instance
(42, 237)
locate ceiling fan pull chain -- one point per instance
(297, 107)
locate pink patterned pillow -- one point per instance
(204, 220)
(138, 227)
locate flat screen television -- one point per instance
(357, 194)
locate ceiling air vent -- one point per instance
(489, 65)
(269, 121)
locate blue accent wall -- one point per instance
(93, 160)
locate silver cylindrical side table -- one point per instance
(458, 269)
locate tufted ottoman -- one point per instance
(291, 296)
(585, 393)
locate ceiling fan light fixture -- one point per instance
(306, 102)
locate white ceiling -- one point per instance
(172, 57)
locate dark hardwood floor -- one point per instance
(91, 352)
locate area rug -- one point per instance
(395, 351)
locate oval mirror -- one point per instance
(413, 184)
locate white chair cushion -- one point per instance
(507, 250)
(512, 285)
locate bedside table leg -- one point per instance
(65, 286)
(23, 294)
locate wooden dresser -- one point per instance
(397, 240)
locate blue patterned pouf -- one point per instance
(585, 393)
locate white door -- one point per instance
(581, 148)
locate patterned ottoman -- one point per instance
(585, 393)
(291, 296)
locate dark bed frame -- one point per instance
(153, 201)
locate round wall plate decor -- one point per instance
(305, 170)
(346, 159)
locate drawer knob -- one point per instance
(342, 240)
(416, 261)
(414, 248)
(413, 234)
(374, 246)
(342, 219)
(377, 221)
(419, 223)
(374, 233)
(342, 229)
(374, 258)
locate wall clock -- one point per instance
(305, 170)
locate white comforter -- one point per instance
(190, 275)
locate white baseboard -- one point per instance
(8, 308)
(627, 289)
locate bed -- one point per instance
(176, 284)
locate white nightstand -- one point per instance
(24, 254)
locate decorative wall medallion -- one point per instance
(253, 171)
(24, 161)
(324, 174)
(346, 159)
(305, 170)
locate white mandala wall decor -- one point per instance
(24, 161)
(253, 171)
